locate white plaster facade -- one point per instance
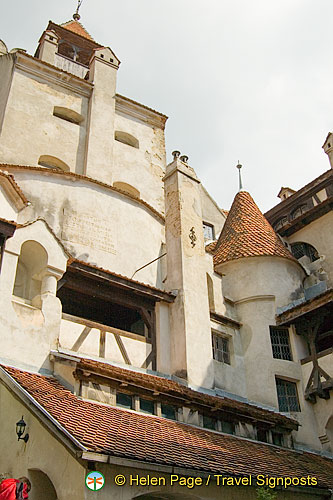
(92, 165)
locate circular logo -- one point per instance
(95, 481)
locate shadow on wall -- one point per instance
(41, 486)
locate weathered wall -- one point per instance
(6, 72)
(39, 132)
(42, 452)
(97, 224)
(142, 168)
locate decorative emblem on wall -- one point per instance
(192, 237)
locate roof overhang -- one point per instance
(301, 310)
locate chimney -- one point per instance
(285, 192)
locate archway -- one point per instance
(41, 486)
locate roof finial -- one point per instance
(76, 15)
(239, 166)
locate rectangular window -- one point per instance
(209, 422)
(277, 438)
(124, 400)
(147, 406)
(228, 427)
(168, 411)
(208, 230)
(221, 351)
(280, 343)
(287, 395)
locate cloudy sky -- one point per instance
(240, 80)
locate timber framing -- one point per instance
(172, 392)
(121, 282)
(291, 315)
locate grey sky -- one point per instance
(240, 80)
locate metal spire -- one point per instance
(76, 15)
(239, 166)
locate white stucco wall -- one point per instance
(30, 103)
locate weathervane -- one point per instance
(239, 166)
(77, 16)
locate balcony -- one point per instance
(70, 66)
(87, 337)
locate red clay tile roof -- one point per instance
(211, 247)
(125, 434)
(246, 233)
(173, 388)
(78, 29)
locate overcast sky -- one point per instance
(240, 80)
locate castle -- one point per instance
(145, 331)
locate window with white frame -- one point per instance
(221, 348)
(280, 343)
(208, 230)
(287, 395)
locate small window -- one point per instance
(147, 406)
(228, 427)
(209, 422)
(53, 162)
(287, 395)
(280, 343)
(301, 249)
(262, 435)
(299, 211)
(126, 138)
(277, 438)
(208, 230)
(67, 114)
(124, 400)
(221, 351)
(127, 188)
(280, 223)
(168, 411)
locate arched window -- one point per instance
(52, 162)
(67, 114)
(300, 249)
(127, 188)
(298, 211)
(280, 223)
(32, 260)
(126, 138)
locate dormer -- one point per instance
(285, 192)
(48, 46)
(106, 55)
(328, 147)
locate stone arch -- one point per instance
(41, 486)
(127, 188)
(48, 161)
(32, 260)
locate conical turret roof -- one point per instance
(246, 233)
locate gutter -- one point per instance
(39, 411)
